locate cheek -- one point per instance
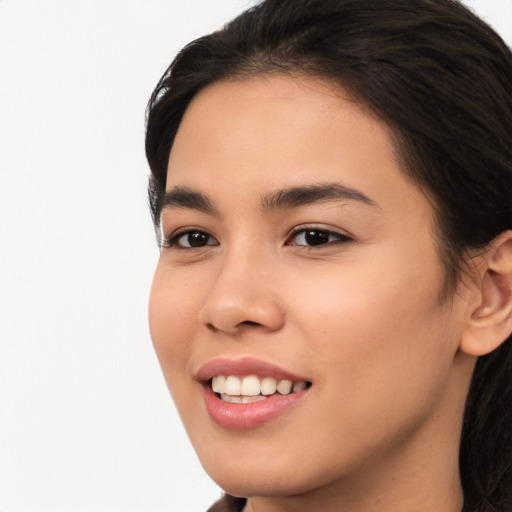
(377, 331)
(380, 357)
(170, 322)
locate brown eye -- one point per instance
(195, 239)
(317, 237)
(191, 240)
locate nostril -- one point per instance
(211, 327)
(237, 328)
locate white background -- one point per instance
(86, 423)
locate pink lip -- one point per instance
(252, 415)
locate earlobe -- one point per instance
(490, 321)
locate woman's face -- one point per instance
(297, 250)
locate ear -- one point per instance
(489, 321)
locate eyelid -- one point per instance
(343, 237)
(171, 241)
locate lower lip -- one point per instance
(252, 415)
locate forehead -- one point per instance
(256, 135)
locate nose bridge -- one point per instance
(243, 293)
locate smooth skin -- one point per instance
(354, 306)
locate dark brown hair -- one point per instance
(442, 81)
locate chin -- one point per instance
(264, 476)
(249, 485)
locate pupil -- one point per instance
(197, 239)
(316, 237)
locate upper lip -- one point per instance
(245, 366)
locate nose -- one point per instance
(243, 297)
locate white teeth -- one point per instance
(299, 386)
(268, 386)
(241, 399)
(251, 399)
(284, 387)
(250, 386)
(233, 385)
(231, 399)
(250, 389)
(219, 384)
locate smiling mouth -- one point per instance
(251, 388)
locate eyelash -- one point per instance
(332, 238)
(173, 240)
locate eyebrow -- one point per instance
(288, 198)
(184, 197)
(294, 197)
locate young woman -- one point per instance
(331, 187)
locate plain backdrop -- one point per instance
(86, 423)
